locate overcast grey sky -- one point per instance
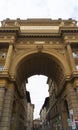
(38, 88)
(38, 9)
(24, 9)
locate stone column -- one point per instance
(75, 101)
(8, 58)
(2, 92)
(72, 99)
(71, 59)
(7, 109)
(60, 113)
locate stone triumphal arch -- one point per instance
(38, 46)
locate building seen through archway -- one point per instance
(39, 47)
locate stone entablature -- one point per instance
(42, 28)
(60, 22)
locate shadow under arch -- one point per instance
(39, 63)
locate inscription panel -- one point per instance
(39, 29)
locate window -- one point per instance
(75, 55)
(3, 55)
(1, 68)
(76, 67)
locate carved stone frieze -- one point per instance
(59, 49)
(73, 38)
(42, 40)
(10, 38)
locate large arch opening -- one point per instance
(40, 64)
(38, 88)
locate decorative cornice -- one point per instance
(39, 35)
(16, 32)
(38, 21)
(68, 30)
(9, 29)
(49, 35)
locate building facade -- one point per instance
(38, 46)
(36, 124)
(54, 115)
(43, 115)
(30, 112)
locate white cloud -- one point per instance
(38, 9)
(75, 13)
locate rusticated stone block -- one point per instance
(4, 128)
(1, 103)
(6, 118)
(4, 123)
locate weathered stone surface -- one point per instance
(38, 46)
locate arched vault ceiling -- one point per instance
(40, 64)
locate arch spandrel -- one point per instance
(52, 55)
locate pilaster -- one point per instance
(7, 109)
(71, 59)
(8, 58)
(72, 99)
(75, 101)
(2, 92)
